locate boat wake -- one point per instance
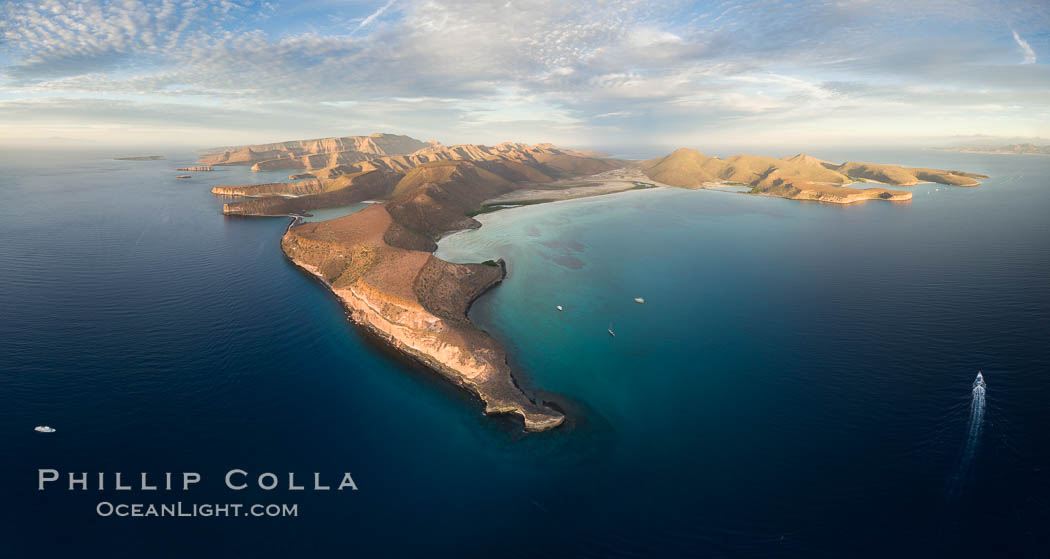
(973, 437)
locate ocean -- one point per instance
(796, 384)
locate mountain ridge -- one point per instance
(314, 153)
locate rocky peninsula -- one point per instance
(379, 261)
(415, 302)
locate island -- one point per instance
(140, 158)
(800, 177)
(379, 261)
(1011, 149)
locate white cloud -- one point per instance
(375, 15)
(1026, 49)
(615, 114)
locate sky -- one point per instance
(199, 73)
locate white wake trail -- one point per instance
(973, 438)
(976, 422)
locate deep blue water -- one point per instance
(797, 383)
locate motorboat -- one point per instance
(44, 429)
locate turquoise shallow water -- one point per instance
(805, 366)
(797, 383)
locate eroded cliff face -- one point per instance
(300, 188)
(417, 303)
(298, 197)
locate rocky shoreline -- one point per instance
(431, 326)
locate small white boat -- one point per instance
(979, 381)
(560, 308)
(44, 429)
(639, 300)
(611, 333)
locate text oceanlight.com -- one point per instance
(193, 510)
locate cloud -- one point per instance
(56, 38)
(615, 114)
(1026, 49)
(472, 71)
(375, 15)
